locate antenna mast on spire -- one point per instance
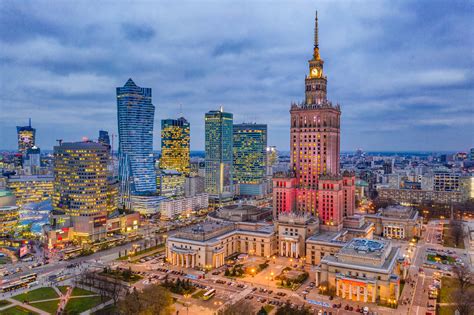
(316, 39)
(30, 122)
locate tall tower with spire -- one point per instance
(315, 186)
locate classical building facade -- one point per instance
(293, 230)
(396, 222)
(363, 270)
(315, 185)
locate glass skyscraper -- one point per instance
(175, 139)
(26, 137)
(137, 173)
(219, 155)
(250, 159)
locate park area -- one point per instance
(441, 259)
(48, 300)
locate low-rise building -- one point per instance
(397, 222)
(9, 219)
(363, 271)
(30, 189)
(172, 208)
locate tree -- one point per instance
(464, 301)
(287, 309)
(262, 311)
(464, 277)
(457, 232)
(240, 308)
(154, 299)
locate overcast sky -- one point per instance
(401, 70)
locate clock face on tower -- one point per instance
(315, 72)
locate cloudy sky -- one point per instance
(401, 70)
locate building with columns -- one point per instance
(396, 222)
(315, 185)
(362, 270)
(208, 244)
(293, 230)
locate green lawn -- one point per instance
(48, 306)
(37, 295)
(198, 294)
(4, 303)
(448, 286)
(446, 310)
(63, 289)
(268, 308)
(18, 310)
(79, 305)
(78, 292)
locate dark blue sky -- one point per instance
(401, 70)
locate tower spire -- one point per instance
(316, 39)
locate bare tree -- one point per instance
(464, 301)
(457, 232)
(464, 276)
(239, 308)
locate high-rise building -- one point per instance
(219, 159)
(104, 138)
(81, 186)
(135, 126)
(175, 139)
(26, 137)
(318, 187)
(250, 159)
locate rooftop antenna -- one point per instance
(181, 110)
(59, 141)
(221, 109)
(30, 122)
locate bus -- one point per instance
(15, 285)
(29, 277)
(209, 294)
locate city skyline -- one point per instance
(401, 87)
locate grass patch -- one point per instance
(18, 310)
(78, 305)
(125, 275)
(63, 289)
(446, 310)
(79, 291)
(198, 294)
(444, 259)
(4, 303)
(47, 306)
(268, 308)
(37, 295)
(448, 286)
(141, 252)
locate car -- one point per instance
(305, 292)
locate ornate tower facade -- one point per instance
(315, 150)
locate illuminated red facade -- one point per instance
(315, 182)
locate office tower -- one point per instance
(26, 137)
(387, 167)
(175, 139)
(135, 126)
(81, 187)
(471, 154)
(218, 159)
(272, 159)
(170, 183)
(31, 188)
(104, 138)
(250, 159)
(80, 178)
(315, 185)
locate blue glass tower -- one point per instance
(219, 155)
(135, 126)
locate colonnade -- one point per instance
(348, 290)
(183, 260)
(394, 231)
(289, 249)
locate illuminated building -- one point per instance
(396, 222)
(31, 189)
(32, 159)
(272, 159)
(318, 187)
(175, 207)
(9, 219)
(26, 137)
(175, 138)
(135, 126)
(104, 138)
(170, 183)
(219, 154)
(81, 186)
(250, 160)
(362, 270)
